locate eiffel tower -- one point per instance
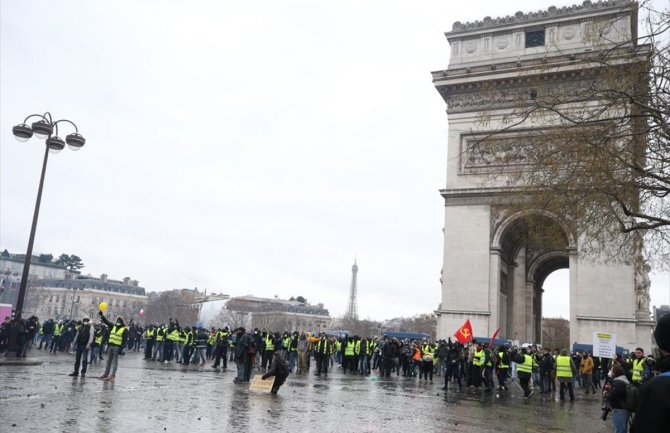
(352, 309)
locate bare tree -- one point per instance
(173, 304)
(555, 333)
(231, 318)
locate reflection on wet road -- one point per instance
(157, 397)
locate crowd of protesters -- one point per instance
(474, 365)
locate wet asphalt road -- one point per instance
(153, 397)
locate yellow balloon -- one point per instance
(102, 306)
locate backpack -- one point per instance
(632, 396)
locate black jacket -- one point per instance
(653, 411)
(617, 393)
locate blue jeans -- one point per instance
(292, 360)
(620, 420)
(364, 364)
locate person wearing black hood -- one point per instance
(653, 408)
(278, 369)
(118, 337)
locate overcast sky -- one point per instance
(241, 147)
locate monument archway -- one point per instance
(527, 248)
(495, 261)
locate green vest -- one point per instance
(323, 347)
(116, 335)
(501, 364)
(638, 369)
(527, 366)
(477, 359)
(563, 367)
(269, 344)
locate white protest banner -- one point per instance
(604, 345)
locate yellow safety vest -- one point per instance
(116, 336)
(159, 334)
(477, 359)
(638, 369)
(527, 366)
(174, 335)
(349, 350)
(98, 339)
(501, 364)
(563, 368)
(269, 344)
(58, 329)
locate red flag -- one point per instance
(495, 334)
(464, 333)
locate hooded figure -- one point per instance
(278, 369)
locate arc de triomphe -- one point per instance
(492, 275)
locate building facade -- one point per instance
(74, 298)
(280, 315)
(11, 271)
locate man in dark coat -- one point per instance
(244, 353)
(278, 369)
(653, 408)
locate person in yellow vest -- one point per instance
(502, 368)
(524, 370)
(221, 348)
(59, 328)
(157, 352)
(427, 353)
(211, 343)
(349, 345)
(322, 351)
(565, 372)
(149, 341)
(188, 341)
(172, 338)
(96, 347)
(637, 370)
(477, 363)
(270, 343)
(118, 336)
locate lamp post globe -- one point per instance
(55, 144)
(22, 132)
(42, 129)
(75, 141)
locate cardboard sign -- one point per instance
(260, 385)
(604, 345)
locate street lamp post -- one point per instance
(44, 128)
